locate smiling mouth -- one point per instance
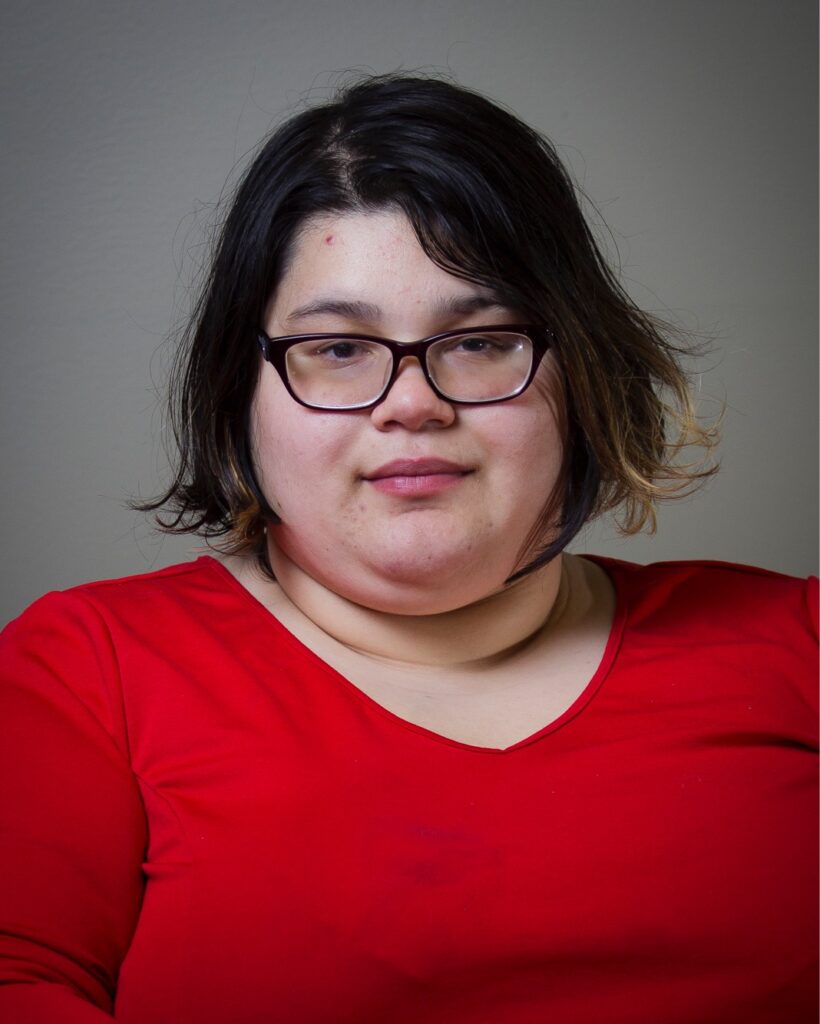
(417, 477)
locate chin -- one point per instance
(412, 602)
(431, 587)
(406, 579)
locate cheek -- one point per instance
(529, 462)
(527, 442)
(548, 441)
(271, 445)
(294, 450)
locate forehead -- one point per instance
(386, 231)
(369, 258)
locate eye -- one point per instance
(337, 358)
(477, 343)
(341, 350)
(336, 351)
(486, 346)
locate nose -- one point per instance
(411, 402)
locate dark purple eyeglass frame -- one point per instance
(274, 351)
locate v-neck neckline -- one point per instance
(588, 692)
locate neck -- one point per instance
(483, 631)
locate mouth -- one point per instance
(416, 477)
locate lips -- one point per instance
(416, 477)
(416, 467)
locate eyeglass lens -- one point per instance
(335, 373)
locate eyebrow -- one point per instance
(368, 312)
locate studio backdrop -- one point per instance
(690, 125)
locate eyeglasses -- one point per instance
(355, 371)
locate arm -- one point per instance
(72, 826)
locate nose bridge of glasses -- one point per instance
(410, 353)
(409, 349)
(410, 394)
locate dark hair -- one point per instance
(490, 202)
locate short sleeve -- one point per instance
(72, 825)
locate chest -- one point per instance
(322, 857)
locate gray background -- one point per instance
(691, 124)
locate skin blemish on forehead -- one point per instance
(330, 239)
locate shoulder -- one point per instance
(87, 631)
(717, 595)
(183, 581)
(86, 646)
(91, 606)
(725, 631)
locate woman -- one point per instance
(393, 756)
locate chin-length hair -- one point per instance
(489, 202)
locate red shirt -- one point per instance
(202, 822)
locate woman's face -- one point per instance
(361, 511)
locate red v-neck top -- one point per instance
(203, 823)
